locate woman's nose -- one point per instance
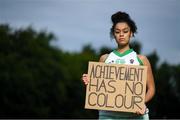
(121, 34)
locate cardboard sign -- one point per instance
(116, 87)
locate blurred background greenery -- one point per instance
(38, 80)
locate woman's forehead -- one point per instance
(122, 25)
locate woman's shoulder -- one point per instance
(144, 59)
(103, 57)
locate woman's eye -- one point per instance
(117, 32)
(126, 31)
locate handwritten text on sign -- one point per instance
(116, 87)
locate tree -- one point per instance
(31, 79)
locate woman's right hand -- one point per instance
(85, 79)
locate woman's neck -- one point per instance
(122, 49)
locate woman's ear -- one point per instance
(131, 34)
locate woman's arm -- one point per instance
(84, 76)
(150, 83)
(150, 79)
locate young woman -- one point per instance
(122, 30)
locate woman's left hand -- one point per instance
(142, 112)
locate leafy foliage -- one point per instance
(38, 80)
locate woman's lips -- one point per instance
(121, 39)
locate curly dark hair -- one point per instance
(122, 17)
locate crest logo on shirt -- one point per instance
(131, 61)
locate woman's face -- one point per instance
(122, 33)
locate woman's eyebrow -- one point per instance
(122, 29)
